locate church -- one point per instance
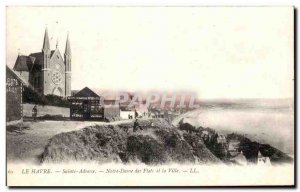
(47, 72)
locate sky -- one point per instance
(217, 52)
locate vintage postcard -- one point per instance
(150, 96)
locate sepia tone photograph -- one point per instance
(150, 96)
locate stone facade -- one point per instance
(47, 72)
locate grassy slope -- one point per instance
(157, 144)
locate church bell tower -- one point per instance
(67, 57)
(46, 64)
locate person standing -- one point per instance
(136, 125)
(136, 115)
(34, 112)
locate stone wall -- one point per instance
(45, 110)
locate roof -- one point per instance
(8, 70)
(260, 155)
(86, 92)
(52, 53)
(68, 47)
(24, 63)
(73, 92)
(107, 95)
(240, 159)
(38, 57)
(46, 44)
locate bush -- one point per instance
(57, 101)
(31, 96)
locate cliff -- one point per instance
(157, 143)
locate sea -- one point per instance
(268, 121)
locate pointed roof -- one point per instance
(68, 47)
(55, 52)
(240, 159)
(57, 43)
(24, 63)
(46, 44)
(8, 70)
(86, 92)
(260, 155)
(25, 82)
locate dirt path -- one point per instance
(28, 145)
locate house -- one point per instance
(111, 104)
(88, 105)
(205, 135)
(126, 114)
(111, 109)
(14, 88)
(221, 139)
(262, 160)
(142, 110)
(156, 113)
(233, 147)
(239, 159)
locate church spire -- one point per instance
(68, 48)
(46, 44)
(68, 63)
(57, 43)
